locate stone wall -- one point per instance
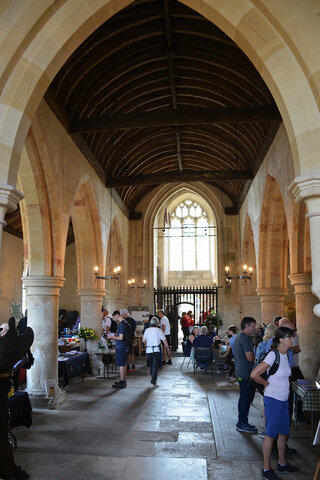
(10, 274)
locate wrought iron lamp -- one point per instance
(115, 276)
(132, 283)
(246, 274)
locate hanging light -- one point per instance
(115, 276)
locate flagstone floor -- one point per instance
(184, 430)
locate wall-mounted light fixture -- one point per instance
(246, 275)
(115, 276)
(132, 283)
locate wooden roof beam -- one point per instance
(186, 176)
(175, 118)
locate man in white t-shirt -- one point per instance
(105, 321)
(152, 337)
(165, 327)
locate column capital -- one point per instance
(268, 294)
(305, 186)
(91, 294)
(302, 278)
(9, 199)
(42, 284)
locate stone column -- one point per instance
(42, 294)
(307, 188)
(251, 307)
(308, 324)
(91, 303)
(272, 303)
(9, 199)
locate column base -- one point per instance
(41, 401)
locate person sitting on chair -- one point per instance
(203, 341)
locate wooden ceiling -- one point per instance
(159, 94)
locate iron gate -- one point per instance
(169, 298)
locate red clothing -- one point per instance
(185, 321)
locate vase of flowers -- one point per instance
(212, 319)
(87, 334)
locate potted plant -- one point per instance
(87, 334)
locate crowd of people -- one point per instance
(265, 360)
(120, 330)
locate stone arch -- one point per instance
(153, 205)
(266, 33)
(114, 257)
(248, 256)
(272, 268)
(35, 212)
(300, 250)
(87, 232)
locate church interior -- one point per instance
(154, 150)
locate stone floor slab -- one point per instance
(162, 468)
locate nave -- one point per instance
(184, 429)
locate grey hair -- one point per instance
(204, 330)
(154, 322)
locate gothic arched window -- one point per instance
(189, 245)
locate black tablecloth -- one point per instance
(20, 410)
(75, 366)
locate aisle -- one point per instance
(184, 429)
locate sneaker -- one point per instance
(169, 362)
(287, 468)
(121, 384)
(163, 363)
(133, 368)
(246, 427)
(269, 474)
(154, 385)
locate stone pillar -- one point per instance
(272, 303)
(42, 294)
(308, 324)
(251, 307)
(91, 303)
(307, 188)
(9, 199)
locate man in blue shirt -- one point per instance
(121, 350)
(243, 359)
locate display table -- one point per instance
(310, 396)
(108, 359)
(73, 364)
(20, 410)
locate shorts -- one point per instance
(277, 417)
(121, 356)
(168, 339)
(130, 349)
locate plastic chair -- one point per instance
(203, 355)
(186, 349)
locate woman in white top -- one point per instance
(152, 337)
(276, 407)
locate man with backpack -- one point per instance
(123, 337)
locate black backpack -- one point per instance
(114, 326)
(272, 370)
(129, 335)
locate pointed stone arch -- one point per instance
(35, 210)
(249, 257)
(86, 225)
(273, 239)
(49, 36)
(115, 257)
